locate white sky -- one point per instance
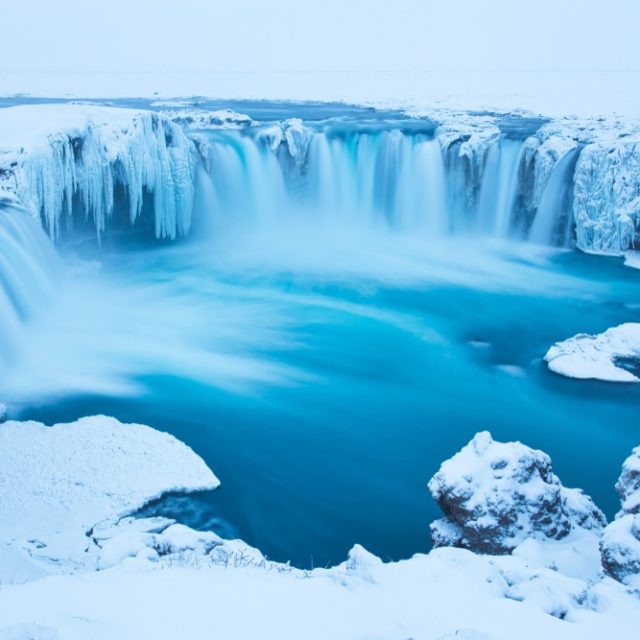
(329, 35)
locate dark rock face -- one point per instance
(620, 543)
(496, 495)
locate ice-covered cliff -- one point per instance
(564, 182)
(68, 162)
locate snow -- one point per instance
(156, 578)
(58, 482)
(594, 356)
(497, 495)
(51, 153)
(449, 593)
(206, 119)
(551, 93)
(620, 544)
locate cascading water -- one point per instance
(553, 221)
(27, 270)
(499, 187)
(392, 179)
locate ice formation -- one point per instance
(613, 355)
(497, 495)
(620, 544)
(58, 159)
(559, 182)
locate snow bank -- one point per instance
(450, 593)
(58, 482)
(51, 155)
(497, 495)
(620, 544)
(72, 483)
(598, 356)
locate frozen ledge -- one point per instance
(58, 482)
(599, 357)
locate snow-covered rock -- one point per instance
(599, 357)
(204, 119)
(59, 481)
(291, 134)
(620, 544)
(628, 485)
(52, 156)
(497, 495)
(620, 549)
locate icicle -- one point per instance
(149, 155)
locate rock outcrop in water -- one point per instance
(496, 495)
(620, 543)
(612, 356)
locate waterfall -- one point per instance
(380, 178)
(553, 220)
(28, 265)
(499, 187)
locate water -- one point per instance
(332, 331)
(325, 398)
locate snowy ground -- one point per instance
(554, 94)
(162, 580)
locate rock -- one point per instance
(620, 542)
(612, 356)
(496, 495)
(628, 485)
(620, 549)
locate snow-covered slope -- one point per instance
(55, 158)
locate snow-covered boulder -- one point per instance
(599, 357)
(620, 549)
(497, 495)
(620, 544)
(54, 155)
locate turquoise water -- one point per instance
(341, 320)
(324, 378)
